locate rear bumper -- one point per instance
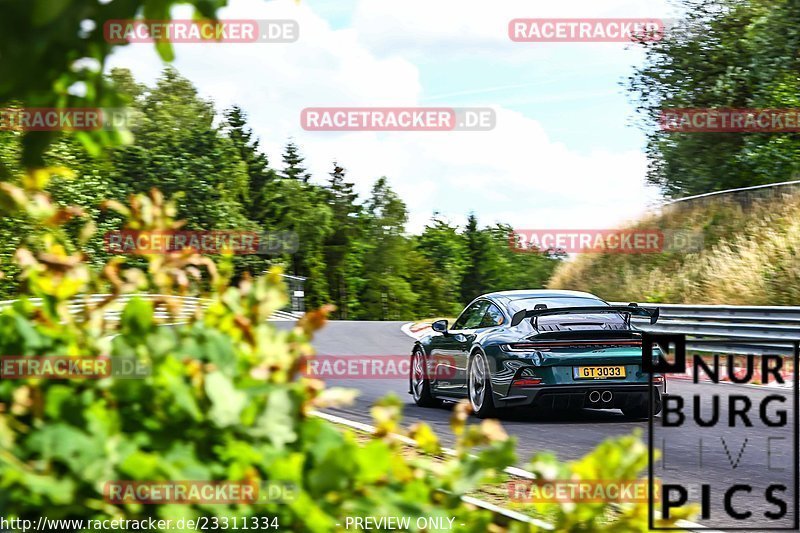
(580, 396)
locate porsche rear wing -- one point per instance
(629, 310)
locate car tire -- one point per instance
(479, 387)
(419, 382)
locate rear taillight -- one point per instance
(549, 345)
(526, 382)
(658, 379)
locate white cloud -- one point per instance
(468, 27)
(515, 173)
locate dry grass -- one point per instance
(751, 255)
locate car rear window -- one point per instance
(567, 301)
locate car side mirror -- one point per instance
(439, 326)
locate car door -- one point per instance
(444, 354)
(457, 344)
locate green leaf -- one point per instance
(137, 317)
(226, 402)
(46, 11)
(278, 421)
(141, 465)
(374, 461)
(57, 395)
(165, 51)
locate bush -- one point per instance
(223, 401)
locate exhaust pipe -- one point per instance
(606, 396)
(594, 396)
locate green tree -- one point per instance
(181, 152)
(293, 164)
(445, 249)
(724, 53)
(259, 175)
(386, 293)
(434, 291)
(479, 270)
(346, 228)
(511, 269)
(297, 205)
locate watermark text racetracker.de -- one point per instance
(580, 491)
(65, 119)
(190, 492)
(374, 367)
(588, 30)
(623, 241)
(135, 242)
(398, 119)
(730, 120)
(72, 367)
(122, 31)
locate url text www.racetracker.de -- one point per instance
(202, 523)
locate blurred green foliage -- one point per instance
(53, 54)
(224, 401)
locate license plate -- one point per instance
(598, 372)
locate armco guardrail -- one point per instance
(180, 307)
(749, 329)
(744, 195)
(167, 307)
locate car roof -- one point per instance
(519, 299)
(539, 293)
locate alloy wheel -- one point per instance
(477, 382)
(417, 375)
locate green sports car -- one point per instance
(541, 348)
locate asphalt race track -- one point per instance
(572, 435)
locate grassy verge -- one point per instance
(750, 255)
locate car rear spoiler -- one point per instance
(631, 309)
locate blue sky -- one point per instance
(564, 153)
(570, 104)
